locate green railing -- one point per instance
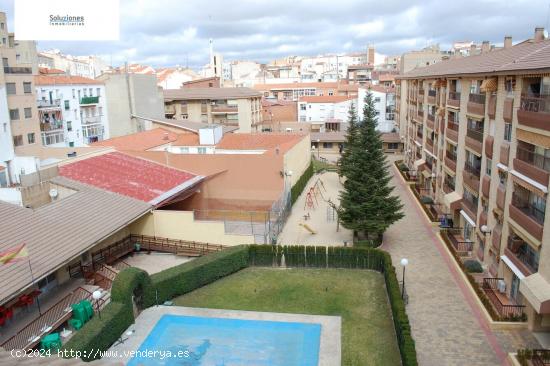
(89, 100)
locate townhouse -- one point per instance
(477, 132)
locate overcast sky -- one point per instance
(176, 32)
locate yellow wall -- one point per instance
(298, 159)
(181, 225)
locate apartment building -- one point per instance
(19, 129)
(85, 66)
(360, 74)
(477, 131)
(294, 91)
(416, 59)
(325, 112)
(72, 110)
(239, 107)
(384, 103)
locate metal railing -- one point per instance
(533, 158)
(17, 70)
(530, 210)
(477, 98)
(507, 311)
(56, 103)
(476, 134)
(476, 171)
(89, 100)
(450, 155)
(452, 126)
(540, 357)
(535, 103)
(454, 95)
(461, 246)
(518, 248)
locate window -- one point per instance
(28, 112)
(14, 114)
(27, 87)
(488, 167)
(10, 88)
(30, 138)
(302, 107)
(1, 25)
(185, 116)
(377, 100)
(67, 105)
(100, 111)
(509, 86)
(202, 150)
(69, 126)
(97, 91)
(507, 131)
(302, 118)
(5, 127)
(327, 145)
(18, 140)
(91, 92)
(73, 94)
(17, 58)
(330, 92)
(79, 94)
(393, 145)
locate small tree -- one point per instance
(367, 205)
(351, 137)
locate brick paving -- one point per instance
(447, 324)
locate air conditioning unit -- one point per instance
(501, 286)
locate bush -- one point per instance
(300, 185)
(130, 282)
(403, 167)
(189, 276)
(368, 243)
(98, 335)
(473, 266)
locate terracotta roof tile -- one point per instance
(326, 99)
(140, 141)
(259, 141)
(63, 79)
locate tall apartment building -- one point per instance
(325, 112)
(384, 103)
(72, 110)
(294, 91)
(19, 129)
(240, 107)
(477, 129)
(86, 66)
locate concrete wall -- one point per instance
(181, 225)
(298, 159)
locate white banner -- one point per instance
(67, 20)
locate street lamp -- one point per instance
(485, 230)
(318, 148)
(96, 295)
(404, 263)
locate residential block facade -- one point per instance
(477, 134)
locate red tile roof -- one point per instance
(54, 79)
(45, 70)
(259, 141)
(126, 175)
(326, 99)
(141, 141)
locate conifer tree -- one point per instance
(351, 133)
(367, 204)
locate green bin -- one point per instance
(51, 342)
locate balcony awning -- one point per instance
(489, 85)
(419, 163)
(452, 200)
(468, 218)
(536, 290)
(528, 183)
(512, 267)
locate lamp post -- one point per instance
(96, 295)
(318, 148)
(485, 230)
(404, 263)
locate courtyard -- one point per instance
(358, 296)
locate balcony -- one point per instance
(91, 120)
(450, 161)
(485, 185)
(496, 237)
(508, 111)
(224, 109)
(54, 126)
(476, 104)
(474, 139)
(489, 141)
(169, 109)
(492, 106)
(469, 207)
(17, 70)
(89, 100)
(461, 246)
(46, 103)
(454, 99)
(471, 176)
(504, 153)
(522, 255)
(534, 111)
(430, 121)
(432, 94)
(482, 218)
(505, 307)
(452, 131)
(430, 145)
(501, 196)
(532, 165)
(527, 216)
(421, 92)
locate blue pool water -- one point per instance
(196, 341)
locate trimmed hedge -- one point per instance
(300, 185)
(473, 266)
(189, 276)
(98, 335)
(127, 282)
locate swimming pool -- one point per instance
(204, 341)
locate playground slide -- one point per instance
(308, 228)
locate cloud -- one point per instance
(171, 32)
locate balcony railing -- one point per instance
(454, 99)
(535, 103)
(56, 103)
(473, 170)
(518, 248)
(452, 126)
(534, 111)
(449, 183)
(540, 357)
(476, 134)
(470, 205)
(461, 245)
(420, 91)
(533, 212)
(477, 98)
(506, 311)
(17, 70)
(89, 120)
(531, 157)
(431, 117)
(89, 100)
(51, 126)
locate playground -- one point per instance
(313, 220)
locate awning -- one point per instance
(502, 167)
(536, 290)
(528, 183)
(467, 218)
(489, 85)
(419, 162)
(452, 200)
(512, 266)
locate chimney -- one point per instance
(507, 41)
(539, 34)
(485, 47)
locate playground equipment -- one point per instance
(309, 201)
(305, 226)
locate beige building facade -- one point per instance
(477, 132)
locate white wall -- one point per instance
(11, 195)
(324, 111)
(6, 140)
(381, 101)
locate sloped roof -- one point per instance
(259, 141)
(55, 79)
(60, 231)
(144, 140)
(326, 99)
(189, 125)
(525, 56)
(210, 93)
(128, 176)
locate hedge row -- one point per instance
(189, 276)
(99, 334)
(300, 185)
(431, 215)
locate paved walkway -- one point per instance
(447, 325)
(321, 220)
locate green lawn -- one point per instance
(359, 296)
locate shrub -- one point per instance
(130, 282)
(473, 266)
(368, 243)
(403, 167)
(300, 185)
(98, 335)
(189, 276)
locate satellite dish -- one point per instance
(53, 193)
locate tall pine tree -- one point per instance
(351, 137)
(367, 204)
